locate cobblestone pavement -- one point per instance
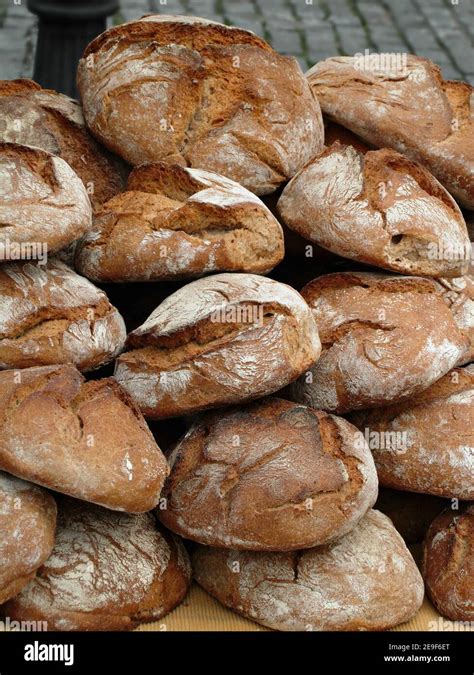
(311, 30)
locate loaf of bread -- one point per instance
(27, 526)
(448, 563)
(44, 205)
(426, 444)
(198, 93)
(379, 208)
(108, 571)
(459, 296)
(410, 512)
(411, 109)
(367, 580)
(270, 476)
(30, 115)
(384, 339)
(84, 439)
(176, 223)
(217, 341)
(49, 314)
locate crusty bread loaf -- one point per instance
(270, 476)
(85, 439)
(412, 110)
(49, 314)
(30, 115)
(448, 563)
(217, 341)
(384, 339)
(176, 223)
(107, 571)
(367, 580)
(459, 296)
(27, 526)
(198, 93)
(435, 430)
(379, 208)
(44, 205)
(410, 512)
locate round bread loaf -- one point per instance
(426, 444)
(44, 205)
(384, 339)
(448, 563)
(27, 525)
(410, 512)
(459, 296)
(49, 314)
(271, 476)
(198, 93)
(405, 220)
(367, 580)
(410, 108)
(176, 223)
(85, 439)
(217, 341)
(107, 571)
(30, 115)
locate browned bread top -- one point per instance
(84, 439)
(448, 563)
(49, 315)
(198, 93)
(458, 293)
(380, 208)
(107, 571)
(30, 115)
(27, 526)
(410, 109)
(366, 580)
(174, 222)
(272, 475)
(42, 202)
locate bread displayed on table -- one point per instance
(27, 528)
(410, 109)
(50, 315)
(85, 439)
(367, 580)
(176, 223)
(195, 92)
(384, 339)
(448, 563)
(269, 476)
(108, 571)
(217, 341)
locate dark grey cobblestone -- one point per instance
(308, 29)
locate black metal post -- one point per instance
(65, 28)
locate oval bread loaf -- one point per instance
(366, 580)
(217, 341)
(27, 526)
(269, 476)
(85, 439)
(177, 223)
(198, 93)
(107, 571)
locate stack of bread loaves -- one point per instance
(294, 405)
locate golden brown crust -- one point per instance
(27, 527)
(448, 563)
(273, 475)
(61, 432)
(108, 571)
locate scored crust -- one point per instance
(220, 340)
(206, 95)
(174, 222)
(380, 208)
